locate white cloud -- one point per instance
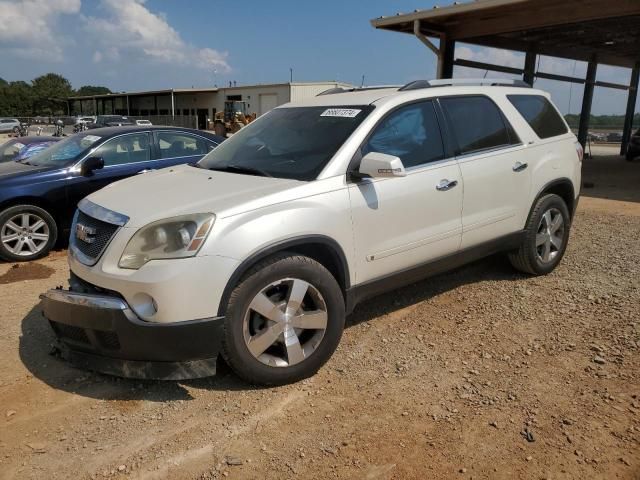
(135, 30)
(27, 26)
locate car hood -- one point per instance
(184, 189)
(12, 169)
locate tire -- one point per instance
(30, 244)
(274, 279)
(16, 130)
(539, 259)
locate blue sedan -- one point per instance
(39, 194)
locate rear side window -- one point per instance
(173, 145)
(477, 123)
(539, 114)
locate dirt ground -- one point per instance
(478, 373)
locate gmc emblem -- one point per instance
(84, 233)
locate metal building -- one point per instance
(594, 31)
(201, 103)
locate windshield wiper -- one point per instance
(241, 169)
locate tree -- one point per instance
(92, 90)
(16, 99)
(51, 92)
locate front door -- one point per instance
(401, 222)
(124, 156)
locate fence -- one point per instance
(186, 121)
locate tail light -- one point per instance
(579, 151)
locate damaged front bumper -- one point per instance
(101, 332)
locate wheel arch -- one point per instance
(563, 187)
(35, 201)
(321, 248)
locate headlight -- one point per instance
(175, 237)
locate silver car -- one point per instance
(9, 125)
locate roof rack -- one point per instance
(448, 82)
(334, 90)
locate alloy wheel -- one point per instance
(550, 236)
(285, 322)
(25, 234)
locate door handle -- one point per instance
(445, 185)
(519, 166)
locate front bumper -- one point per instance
(100, 332)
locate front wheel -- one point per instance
(283, 321)
(545, 237)
(27, 232)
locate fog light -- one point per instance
(145, 306)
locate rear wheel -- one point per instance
(27, 232)
(283, 321)
(545, 238)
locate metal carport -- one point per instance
(595, 31)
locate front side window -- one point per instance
(539, 114)
(295, 143)
(124, 149)
(410, 133)
(477, 123)
(174, 145)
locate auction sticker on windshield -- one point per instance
(340, 112)
(89, 140)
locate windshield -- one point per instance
(64, 152)
(294, 143)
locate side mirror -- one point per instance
(90, 164)
(381, 165)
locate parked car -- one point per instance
(258, 251)
(143, 122)
(633, 149)
(614, 137)
(9, 125)
(38, 195)
(110, 121)
(24, 147)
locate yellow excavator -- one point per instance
(232, 118)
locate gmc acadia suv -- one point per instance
(259, 251)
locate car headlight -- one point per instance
(175, 237)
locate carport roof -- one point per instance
(575, 29)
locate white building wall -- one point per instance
(304, 91)
(251, 95)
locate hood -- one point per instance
(182, 190)
(12, 169)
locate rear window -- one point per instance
(539, 114)
(477, 123)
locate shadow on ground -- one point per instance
(37, 350)
(611, 177)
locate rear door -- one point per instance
(494, 168)
(401, 222)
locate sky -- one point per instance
(132, 45)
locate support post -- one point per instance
(529, 67)
(128, 111)
(587, 100)
(631, 108)
(155, 104)
(173, 106)
(447, 47)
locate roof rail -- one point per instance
(448, 82)
(334, 90)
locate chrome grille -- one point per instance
(90, 237)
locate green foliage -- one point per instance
(92, 90)
(50, 93)
(45, 95)
(602, 121)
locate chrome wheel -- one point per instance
(25, 234)
(285, 322)
(550, 236)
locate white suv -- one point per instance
(260, 250)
